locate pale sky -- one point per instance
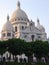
(33, 8)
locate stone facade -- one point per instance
(19, 26)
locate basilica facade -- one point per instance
(19, 26)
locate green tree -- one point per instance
(45, 50)
(38, 49)
(28, 50)
(15, 46)
(2, 48)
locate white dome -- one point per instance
(19, 13)
(7, 26)
(39, 26)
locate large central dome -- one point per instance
(18, 13)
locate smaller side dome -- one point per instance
(39, 26)
(7, 26)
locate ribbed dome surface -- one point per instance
(7, 27)
(19, 13)
(40, 27)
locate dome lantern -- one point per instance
(18, 4)
(7, 17)
(38, 21)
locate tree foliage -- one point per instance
(18, 46)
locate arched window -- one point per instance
(3, 34)
(32, 37)
(22, 27)
(18, 18)
(16, 29)
(8, 34)
(22, 19)
(39, 37)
